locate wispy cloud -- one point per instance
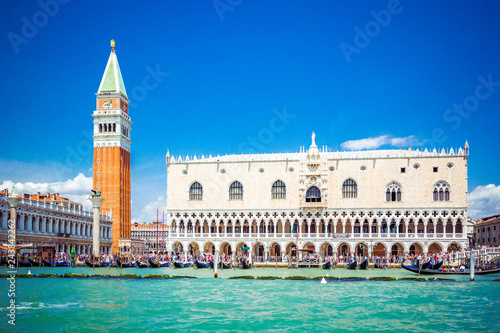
(148, 213)
(376, 142)
(76, 189)
(484, 201)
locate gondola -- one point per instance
(219, 265)
(180, 264)
(102, 264)
(435, 266)
(245, 265)
(364, 264)
(25, 263)
(352, 265)
(158, 264)
(141, 264)
(326, 265)
(56, 263)
(35, 263)
(226, 265)
(436, 272)
(202, 264)
(123, 265)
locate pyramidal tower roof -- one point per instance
(112, 81)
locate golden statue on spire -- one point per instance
(113, 43)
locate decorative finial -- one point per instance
(313, 137)
(14, 189)
(113, 44)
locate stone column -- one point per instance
(435, 228)
(454, 223)
(96, 204)
(13, 201)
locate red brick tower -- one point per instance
(112, 151)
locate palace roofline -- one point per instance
(324, 154)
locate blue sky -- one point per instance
(398, 74)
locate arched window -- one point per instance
(114, 127)
(196, 191)
(349, 189)
(100, 128)
(105, 127)
(393, 192)
(313, 194)
(441, 192)
(236, 191)
(278, 191)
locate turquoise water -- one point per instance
(223, 305)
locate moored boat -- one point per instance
(124, 265)
(245, 265)
(436, 272)
(102, 264)
(180, 264)
(141, 264)
(326, 265)
(352, 265)
(364, 264)
(226, 265)
(202, 264)
(56, 263)
(157, 264)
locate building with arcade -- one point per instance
(374, 202)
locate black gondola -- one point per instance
(25, 264)
(435, 266)
(180, 264)
(226, 265)
(352, 265)
(436, 272)
(56, 263)
(102, 264)
(123, 265)
(326, 265)
(141, 264)
(364, 264)
(202, 264)
(246, 265)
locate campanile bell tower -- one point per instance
(112, 151)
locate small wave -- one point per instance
(36, 306)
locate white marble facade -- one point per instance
(380, 201)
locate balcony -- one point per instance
(313, 205)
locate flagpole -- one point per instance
(163, 228)
(157, 230)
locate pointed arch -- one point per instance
(393, 192)
(441, 191)
(313, 194)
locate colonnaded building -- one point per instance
(378, 202)
(52, 223)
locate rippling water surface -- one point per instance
(222, 305)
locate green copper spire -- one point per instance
(112, 81)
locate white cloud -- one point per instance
(484, 201)
(76, 189)
(374, 143)
(148, 213)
